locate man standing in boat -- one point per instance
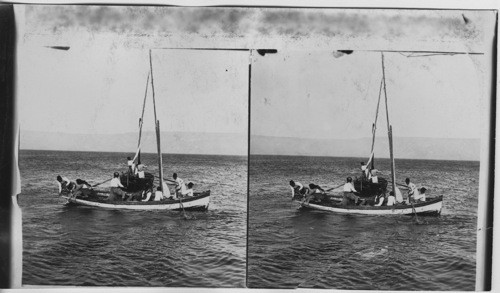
(115, 190)
(349, 193)
(411, 189)
(180, 187)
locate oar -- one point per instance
(414, 212)
(183, 210)
(401, 185)
(101, 182)
(335, 187)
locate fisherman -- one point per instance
(180, 187)
(189, 191)
(379, 199)
(420, 195)
(158, 194)
(391, 200)
(412, 189)
(115, 188)
(64, 184)
(373, 176)
(82, 189)
(363, 171)
(297, 188)
(349, 193)
(147, 192)
(313, 192)
(140, 171)
(131, 165)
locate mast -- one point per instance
(141, 121)
(389, 132)
(374, 125)
(157, 124)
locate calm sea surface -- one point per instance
(291, 248)
(87, 246)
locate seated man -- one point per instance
(391, 199)
(349, 193)
(419, 195)
(159, 194)
(146, 194)
(189, 191)
(379, 200)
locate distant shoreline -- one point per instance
(128, 153)
(361, 159)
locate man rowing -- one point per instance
(115, 188)
(349, 193)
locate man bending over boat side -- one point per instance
(349, 193)
(297, 189)
(83, 189)
(64, 184)
(115, 190)
(316, 192)
(189, 191)
(420, 195)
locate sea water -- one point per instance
(84, 246)
(289, 248)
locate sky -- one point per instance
(305, 90)
(336, 97)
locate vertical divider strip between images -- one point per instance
(10, 213)
(248, 157)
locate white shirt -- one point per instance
(148, 195)
(158, 195)
(297, 184)
(115, 182)
(348, 187)
(64, 179)
(179, 185)
(419, 196)
(391, 200)
(189, 192)
(380, 201)
(140, 174)
(374, 179)
(411, 188)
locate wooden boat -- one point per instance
(198, 202)
(431, 207)
(135, 185)
(366, 189)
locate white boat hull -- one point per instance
(199, 202)
(431, 207)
